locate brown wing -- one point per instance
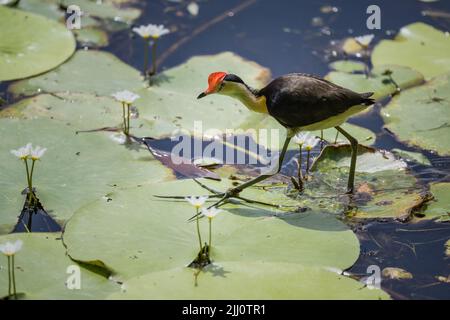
(297, 99)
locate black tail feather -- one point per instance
(366, 98)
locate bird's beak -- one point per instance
(202, 95)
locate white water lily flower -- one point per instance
(125, 96)
(311, 142)
(10, 248)
(197, 201)
(151, 30)
(37, 153)
(365, 40)
(301, 138)
(211, 213)
(22, 153)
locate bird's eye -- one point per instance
(221, 86)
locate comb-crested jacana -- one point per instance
(299, 102)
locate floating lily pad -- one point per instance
(412, 156)
(383, 186)
(95, 72)
(136, 233)
(47, 8)
(41, 271)
(249, 280)
(418, 46)
(31, 44)
(86, 112)
(105, 10)
(348, 66)
(92, 37)
(419, 116)
(76, 170)
(378, 83)
(440, 206)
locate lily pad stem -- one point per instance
(146, 45)
(209, 245)
(128, 118)
(307, 160)
(300, 176)
(154, 66)
(9, 277)
(13, 277)
(124, 118)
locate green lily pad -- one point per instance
(105, 10)
(31, 44)
(136, 233)
(383, 186)
(92, 37)
(378, 83)
(440, 206)
(41, 271)
(419, 116)
(249, 280)
(412, 156)
(85, 111)
(95, 72)
(47, 8)
(348, 66)
(418, 46)
(76, 170)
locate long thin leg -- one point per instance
(235, 191)
(354, 144)
(264, 176)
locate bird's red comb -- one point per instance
(214, 79)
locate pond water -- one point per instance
(294, 36)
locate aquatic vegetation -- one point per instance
(260, 251)
(364, 42)
(379, 82)
(9, 249)
(197, 202)
(310, 143)
(34, 154)
(150, 32)
(210, 214)
(300, 139)
(419, 116)
(126, 98)
(426, 47)
(251, 236)
(87, 72)
(25, 46)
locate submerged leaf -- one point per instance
(396, 273)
